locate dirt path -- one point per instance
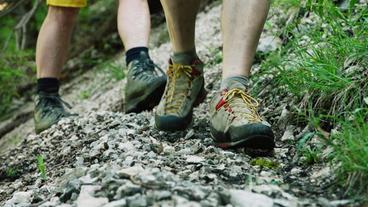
(106, 158)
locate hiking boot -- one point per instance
(145, 86)
(184, 91)
(49, 110)
(235, 122)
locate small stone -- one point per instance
(86, 197)
(118, 203)
(64, 205)
(53, 202)
(137, 201)
(183, 202)
(20, 198)
(167, 149)
(157, 148)
(193, 159)
(241, 198)
(128, 189)
(130, 172)
(268, 43)
(71, 187)
(162, 195)
(284, 117)
(295, 171)
(324, 172)
(213, 199)
(189, 135)
(288, 134)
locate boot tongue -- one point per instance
(240, 82)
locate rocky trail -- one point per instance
(106, 158)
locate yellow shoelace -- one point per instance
(250, 103)
(176, 98)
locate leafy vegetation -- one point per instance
(351, 150)
(323, 68)
(11, 172)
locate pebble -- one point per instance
(130, 172)
(193, 159)
(118, 203)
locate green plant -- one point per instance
(310, 154)
(322, 70)
(13, 69)
(264, 163)
(351, 151)
(115, 71)
(323, 65)
(11, 172)
(41, 166)
(85, 94)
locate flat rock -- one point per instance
(193, 159)
(86, 197)
(20, 198)
(241, 198)
(131, 171)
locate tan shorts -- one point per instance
(67, 3)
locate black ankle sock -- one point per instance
(48, 85)
(134, 53)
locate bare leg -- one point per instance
(180, 18)
(242, 24)
(53, 41)
(134, 23)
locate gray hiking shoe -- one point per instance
(235, 122)
(184, 90)
(49, 109)
(145, 86)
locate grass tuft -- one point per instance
(351, 151)
(41, 167)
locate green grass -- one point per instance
(115, 71)
(11, 172)
(324, 66)
(351, 152)
(309, 154)
(85, 94)
(41, 167)
(323, 70)
(14, 69)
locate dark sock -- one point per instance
(239, 81)
(134, 54)
(48, 85)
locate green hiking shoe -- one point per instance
(235, 122)
(184, 90)
(49, 109)
(145, 85)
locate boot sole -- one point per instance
(259, 141)
(255, 142)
